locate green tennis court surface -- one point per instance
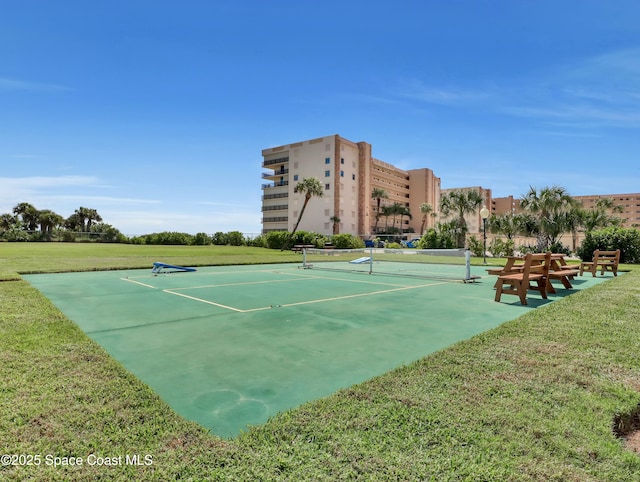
(231, 346)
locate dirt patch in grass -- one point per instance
(627, 427)
(632, 441)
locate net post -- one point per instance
(370, 260)
(304, 257)
(467, 263)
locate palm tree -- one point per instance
(74, 223)
(336, 224)
(386, 211)
(7, 221)
(92, 215)
(404, 211)
(550, 207)
(460, 203)
(425, 209)
(378, 194)
(48, 220)
(599, 216)
(506, 224)
(28, 214)
(310, 187)
(80, 217)
(85, 217)
(396, 208)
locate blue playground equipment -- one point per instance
(159, 267)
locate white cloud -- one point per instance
(53, 192)
(8, 84)
(450, 95)
(158, 219)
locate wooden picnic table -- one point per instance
(558, 269)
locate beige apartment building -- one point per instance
(349, 174)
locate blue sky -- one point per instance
(155, 112)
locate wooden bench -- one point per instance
(604, 260)
(561, 271)
(534, 270)
(563, 275)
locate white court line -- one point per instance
(204, 301)
(173, 291)
(304, 275)
(235, 284)
(323, 300)
(138, 283)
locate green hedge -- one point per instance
(627, 240)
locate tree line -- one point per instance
(547, 214)
(27, 223)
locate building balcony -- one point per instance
(278, 207)
(276, 184)
(275, 219)
(279, 172)
(271, 162)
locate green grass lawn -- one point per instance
(538, 398)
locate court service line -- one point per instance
(306, 276)
(204, 301)
(323, 300)
(235, 284)
(139, 283)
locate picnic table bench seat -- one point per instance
(533, 276)
(603, 260)
(563, 275)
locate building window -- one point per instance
(295, 177)
(327, 173)
(327, 160)
(342, 160)
(327, 187)
(341, 173)
(353, 177)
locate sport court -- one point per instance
(231, 346)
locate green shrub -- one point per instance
(500, 248)
(279, 239)
(558, 247)
(308, 237)
(346, 241)
(393, 246)
(276, 239)
(476, 246)
(259, 241)
(219, 239)
(627, 240)
(201, 239)
(235, 238)
(433, 239)
(525, 248)
(15, 234)
(166, 238)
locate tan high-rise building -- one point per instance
(629, 205)
(349, 174)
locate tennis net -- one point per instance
(443, 264)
